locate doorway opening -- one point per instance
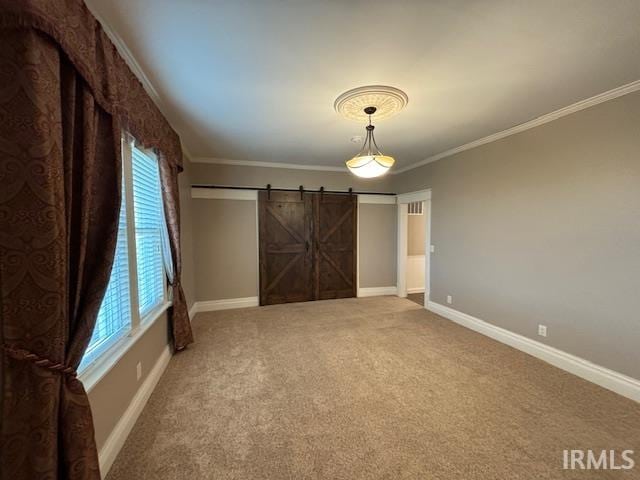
(414, 246)
(416, 251)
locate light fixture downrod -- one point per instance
(370, 162)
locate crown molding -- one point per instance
(250, 163)
(549, 117)
(137, 70)
(185, 151)
(135, 67)
(128, 57)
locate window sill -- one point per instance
(96, 371)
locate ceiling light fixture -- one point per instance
(370, 162)
(363, 104)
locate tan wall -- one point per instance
(226, 249)
(233, 175)
(111, 396)
(416, 233)
(225, 230)
(543, 227)
(377, 245)
(186, 234)
(225, 244)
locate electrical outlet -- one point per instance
(449, 299)
(138, 370)
(542, 330)
(433, 249)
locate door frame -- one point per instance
(403, 201)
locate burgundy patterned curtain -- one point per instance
(59, 204)
(65, 97)
(180, 323)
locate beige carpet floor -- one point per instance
(371, 388)
(416, 298)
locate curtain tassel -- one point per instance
(26, 355)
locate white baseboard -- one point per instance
(377, 291)
(226, 304)
(415, 290)
(119, 434)
(193, 310)
(609, 379)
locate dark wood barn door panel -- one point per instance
(286, 266)
(335, 246)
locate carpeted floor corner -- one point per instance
(369, 388)
(416, 298)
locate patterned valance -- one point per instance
(74, 28)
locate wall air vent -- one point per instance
(415, 208)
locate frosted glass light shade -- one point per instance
(370, 166)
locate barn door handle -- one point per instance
(306, 245)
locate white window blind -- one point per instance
(149, 218)
(114, 317)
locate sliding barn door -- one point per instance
(307, 246)
(286, 257)
(335, 246)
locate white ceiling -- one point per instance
(256, 80)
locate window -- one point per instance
(149, 228)
(137, 287)
(114, 317)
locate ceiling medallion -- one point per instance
(387, 101)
